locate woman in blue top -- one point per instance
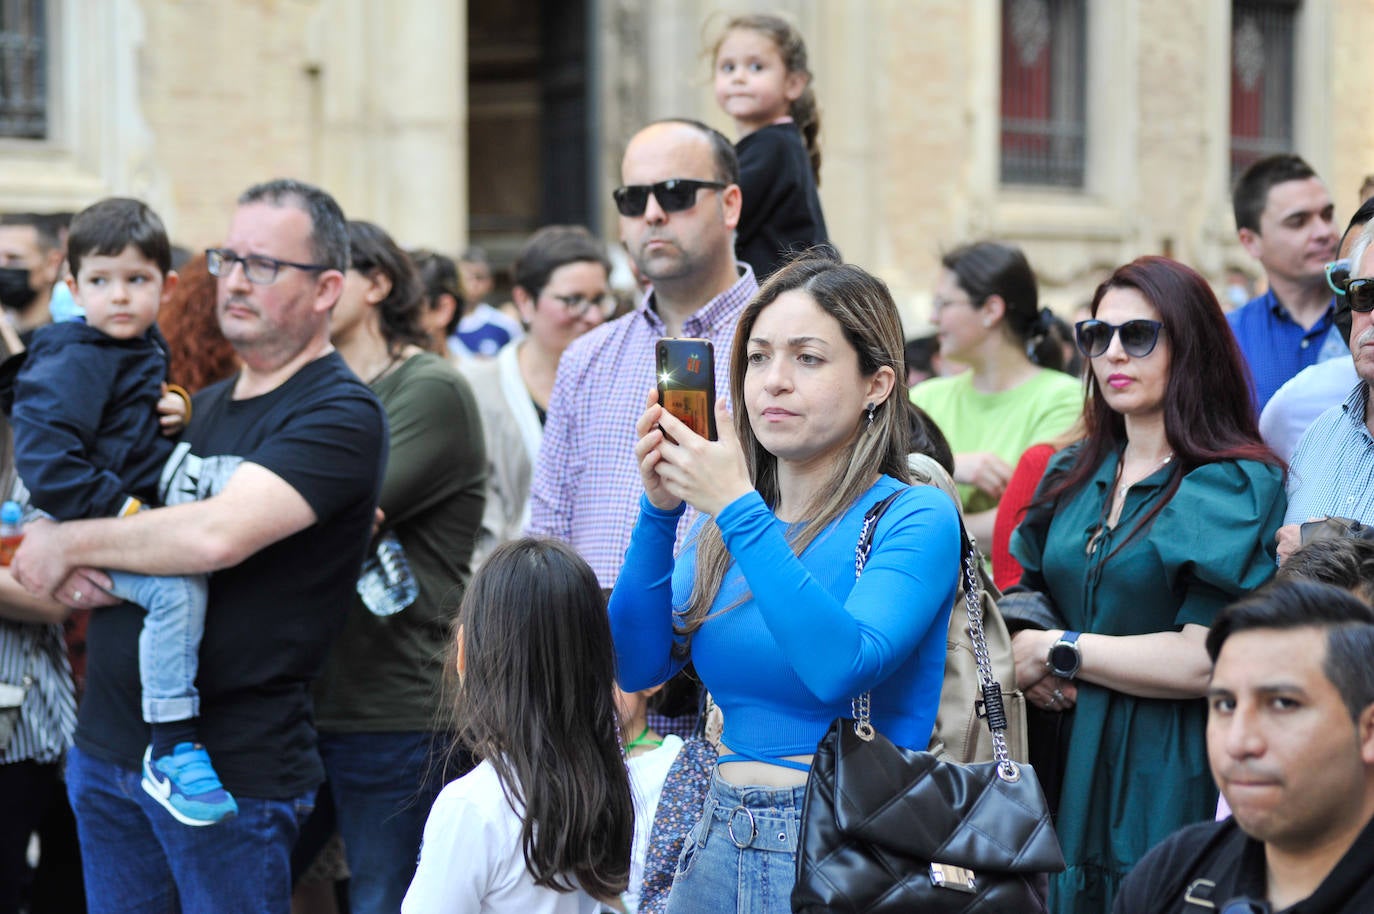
(762, 598)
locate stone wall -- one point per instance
(186, 102)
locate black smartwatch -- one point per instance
(1065, 658)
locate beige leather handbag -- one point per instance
(960, 735)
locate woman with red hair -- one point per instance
(197, 352)
(1164, 513)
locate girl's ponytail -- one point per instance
(807, 116)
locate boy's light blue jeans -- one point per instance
(169, 645)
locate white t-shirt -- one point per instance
(647, 774)
(471, 859)
(1302, 398)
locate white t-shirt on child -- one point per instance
(647, 774)
(471, 859)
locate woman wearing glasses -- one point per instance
(1163, 514)
(987, 316)
(560, 288)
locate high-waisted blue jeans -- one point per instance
(742, 855)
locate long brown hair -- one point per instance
(805, 112)
(863, 307)
(535, 699)
(1208, 415)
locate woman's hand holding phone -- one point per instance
(650, 436)
(707, 474)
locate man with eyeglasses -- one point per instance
(679, 206)
(1332, 470)
(1290, 742)
(1284, 219)
(271, 490)
(1317, 388)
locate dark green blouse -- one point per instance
(1136, 768)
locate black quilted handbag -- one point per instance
(888, 829)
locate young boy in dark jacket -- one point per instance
(88, 443)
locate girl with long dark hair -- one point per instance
(1141, 532)
(544, 824)
(763, 598)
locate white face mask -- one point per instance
(1238, 295)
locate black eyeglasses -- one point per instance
(1359, 294)
(578, 305)
(1138, 337)
(673, 195)
(258, 269)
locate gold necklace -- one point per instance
(1121, 469)
(1099, 532)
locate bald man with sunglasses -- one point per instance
(1332, 470)
(679, 206)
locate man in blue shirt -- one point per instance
(1284, 218)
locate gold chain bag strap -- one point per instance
(890, 829)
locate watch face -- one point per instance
(1063, 660)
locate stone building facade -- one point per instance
(432, 117)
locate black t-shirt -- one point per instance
(781, 215)
(271, 618)
(1223, 854)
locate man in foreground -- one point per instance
(1290, 740)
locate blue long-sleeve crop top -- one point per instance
(787, 660)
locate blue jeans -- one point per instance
(383, 786)
(169, 645)
(742, 855)
(136, 858)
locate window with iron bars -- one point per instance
(1262, 70)
(1044, 76)
(23, 70)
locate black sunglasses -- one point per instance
(673, 195)
(1359, 295)
(1138, 337)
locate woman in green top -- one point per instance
(987, 315)
(1164, 513)
(376, 698)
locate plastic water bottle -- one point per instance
(386, 584)
(11, 530)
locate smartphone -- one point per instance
(687, 382)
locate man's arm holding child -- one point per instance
(255, 509)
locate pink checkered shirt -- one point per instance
(586, 484)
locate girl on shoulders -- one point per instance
(544, 824)
(762, 81)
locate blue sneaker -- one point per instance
(186, 785)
